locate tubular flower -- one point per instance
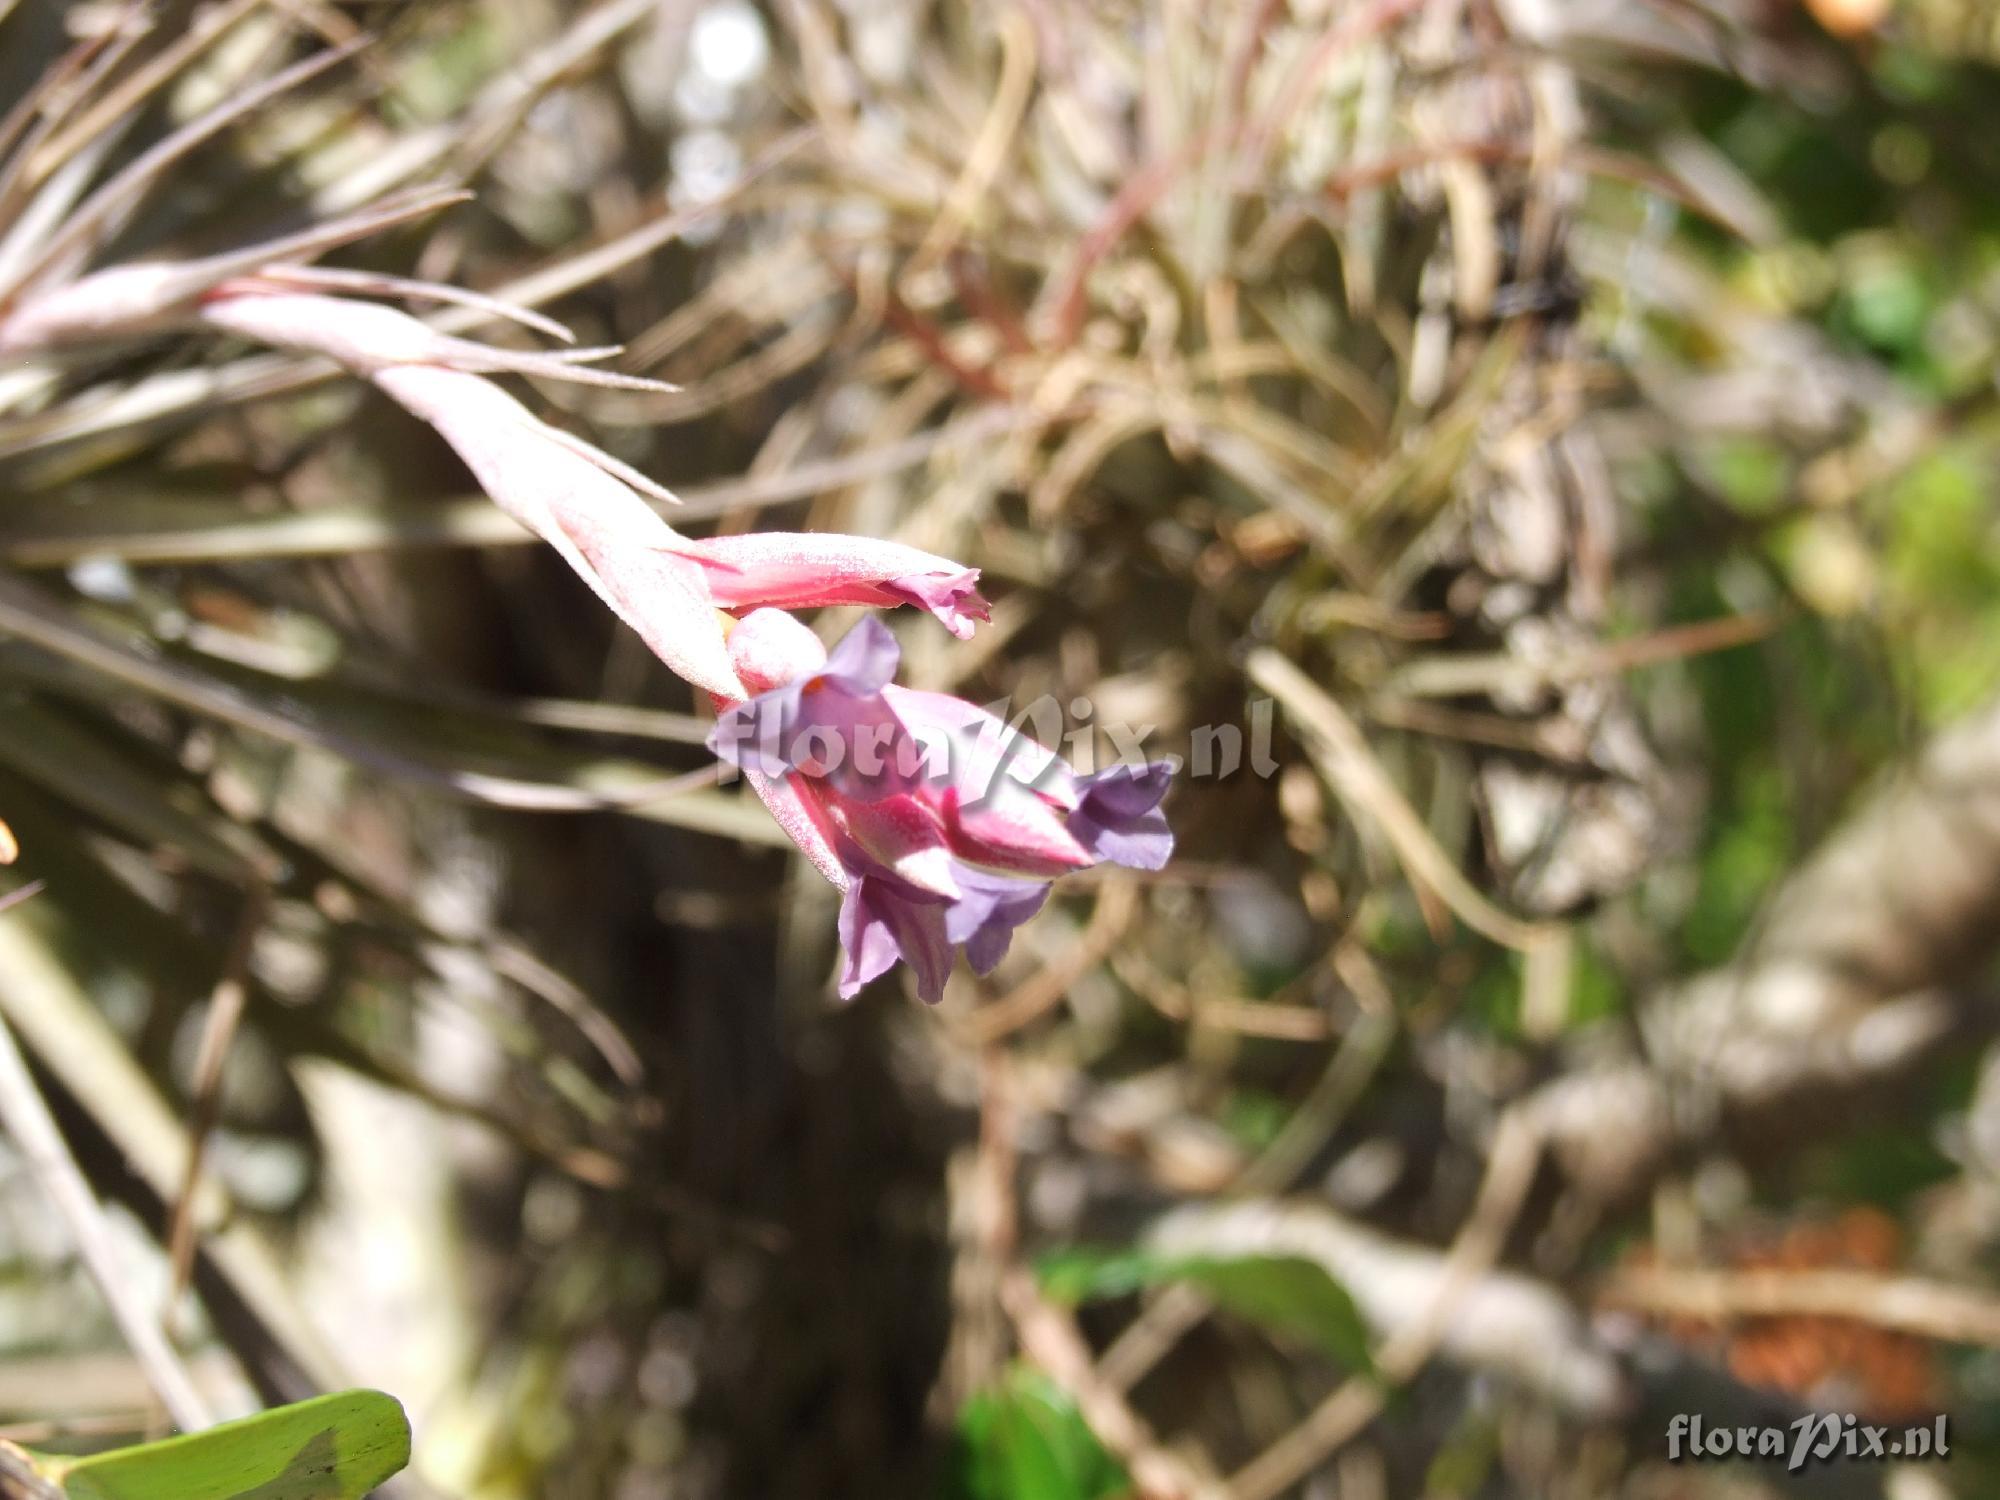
(948, 824)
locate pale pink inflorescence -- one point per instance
(922, 870)
(681, 595)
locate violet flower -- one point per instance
(954, 833)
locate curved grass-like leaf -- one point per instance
(336, 1447)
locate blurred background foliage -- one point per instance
(1560, 436)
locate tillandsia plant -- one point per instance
(925, 860)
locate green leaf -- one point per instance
(1289, 1295)
(1084, 1274)
(335, 1447)
(1027, 1441)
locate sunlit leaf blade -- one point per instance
(335, 1447)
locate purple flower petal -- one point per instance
(1118, 815)
(882, 920)
(866, 659)
(953, 597)
(983, 919)
(866, 940)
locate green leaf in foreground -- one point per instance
(335, 1447)
(1025, 1440)
(1288, 1295)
